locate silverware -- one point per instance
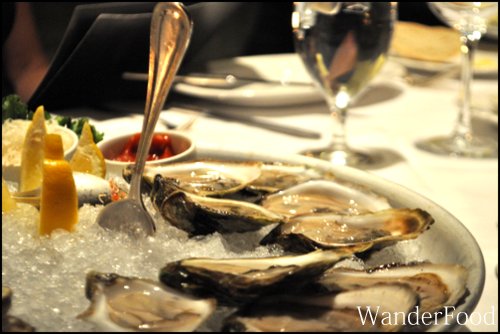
(250, 120)
(424, 80)
(214, 80)
(180, 127)
(171, 29)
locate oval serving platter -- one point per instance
(447, 241)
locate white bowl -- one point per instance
(182, 148)
(12, 172)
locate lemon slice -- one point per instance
(59, 199)
(8, 203)
(88, 157)
(32, 152)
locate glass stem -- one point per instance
(338, 141)
(463, 128)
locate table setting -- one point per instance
(352, 116)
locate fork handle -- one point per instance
(171, 29)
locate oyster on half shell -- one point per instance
(132, 304)
(203, 215)
(279, 176)
(345, 311)
(219, 178)
(243, 279)
(328, 230)
(6, 300)
(324, 196)
(9, 322)
(437, 285)
(205, 178)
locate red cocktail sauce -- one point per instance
(160, 148)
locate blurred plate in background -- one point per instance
(485, 63)
(277, 67)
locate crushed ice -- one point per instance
(47, 275)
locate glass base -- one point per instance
(376, 158)
(458, 146)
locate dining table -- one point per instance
(389, 117)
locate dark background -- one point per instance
(221, 30)
(272, 23)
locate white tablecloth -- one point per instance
(391, 115)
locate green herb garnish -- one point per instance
(14, 108)
(77, 126)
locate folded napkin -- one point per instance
(422, 42)
(105, 40)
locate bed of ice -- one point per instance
(47, 275)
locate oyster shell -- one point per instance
(437, 285)
(324, 196)
(219, 178)
(9, 322)
(6, 300)
(345, 311)
(329, 230)
(206, 178)
(278, 176)
(203, 215)
(131, 304)
(242, 279)
(14, 324)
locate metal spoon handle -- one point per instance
(171, 29)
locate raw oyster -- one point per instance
(203, 215)
(278, 176)
(131, 304)
(14, 324)
(6, 300)
(437, 285)
(324, 196)
(346, 311)
(329, 230)
(242, 279)
(206, 178)
(9, 322)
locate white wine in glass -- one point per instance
(470, 19)
(343, 46)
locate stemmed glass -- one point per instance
(343, 45)
(470, 19)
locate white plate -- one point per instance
(484, 105)
(428, 66)
(277, 67)
(488, 116)
(485, 63)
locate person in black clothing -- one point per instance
(24, 62)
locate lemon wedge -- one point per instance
(32, 152)
(88, 157)
(8, 203)
(59, 199)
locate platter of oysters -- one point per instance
(250, 242)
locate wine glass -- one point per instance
(470, 19)
(343, 46)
